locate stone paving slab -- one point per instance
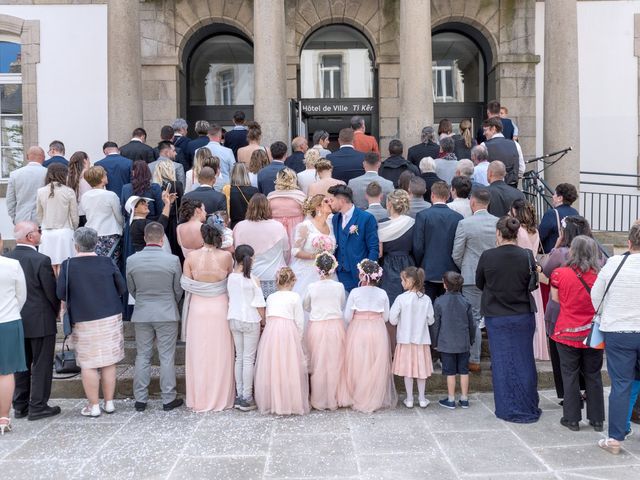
(432, 443)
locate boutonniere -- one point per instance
(353, 229)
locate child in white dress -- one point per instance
(412, 312)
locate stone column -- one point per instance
(561, 101)
(416, 91)
(124, 67)
(270, 81)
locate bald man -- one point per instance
(23, 186)
(39, 313)
(295, 161)
(502, 195)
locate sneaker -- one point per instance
(447, 404)
(463, 403)
(247, 405)
(237, 402)
(90, 411)
(108, 407)
(424, 403)
(408, 402)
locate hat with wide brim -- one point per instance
(132, 201)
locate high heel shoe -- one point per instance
(5, 426)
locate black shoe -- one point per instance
(21, 413)
(171, 405)
(573, 426)
(597, 426)
(44, 413)
(140, 406)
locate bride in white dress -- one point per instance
(312, 236)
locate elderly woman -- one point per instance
(203, 158)
(96, 318)
(503, 274)
(286, 201)
(192, 216)
(571, 288)
(324, 169)
(141, 186)
(12, 355)
(269, 240)
(447, 163)
(57, 211)
(428, 174)
(238, 194)
(615, 296)
(78, 165)
(308, 176)
(563, 197)
(103, 212)
(259, 160)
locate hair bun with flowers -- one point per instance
(325, 264)
(370, 270)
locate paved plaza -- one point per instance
(433, 444)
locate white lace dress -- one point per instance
(305, 271)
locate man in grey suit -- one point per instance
(474, 235)
(167, 151)
(359, 184)
(373, 194)
(153, 279)
(23, 186)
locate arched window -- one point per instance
(11, 143)
(458, 69)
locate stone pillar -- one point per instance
(416, 91)
(270, 81)
(125, 83)
(561, 101)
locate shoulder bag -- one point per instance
(595, 339)
(65, 360)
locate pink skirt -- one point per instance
(324, 341)
(209, 356)
(540, 345)
(413, 361)
(368, 381)
(290, 223)
(281, 382)
(98, 343)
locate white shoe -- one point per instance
(108, 407)
(408, 402)
(424, 403)
(91, 411)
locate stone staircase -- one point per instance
(72, 387)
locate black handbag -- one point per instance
(534, 281)
(65, 360)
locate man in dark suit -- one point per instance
(502, 195)
(396, 164)
(433, 236)
(39, 313)
(427, 148)
(213, 200)
(346, 161)
(267, 176)
(295, 161)
(202, 128)
(118, 168)
(180, 138)
(167, 134)
(236, 137)
(56, 154)
(500, 148)
(493, 111)
(136, 149)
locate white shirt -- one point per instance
(462, 206)
(227, 160)
(324, 300)
(346, 217)
(413, 314)
(286, 304)
(14, 289)
(306, 178)
(103, 211)
(245, 297)
(367, 299)
(480, 173)
(323, 151)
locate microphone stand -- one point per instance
(538, 184)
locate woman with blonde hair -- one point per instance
(203, 158)
(238, 194)
(259, 160)
(254, 136)
(165, 176)
(324, 169)
(308, 176)
(78, 164)
(464, 140)
(286, 201)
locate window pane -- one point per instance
(11, 99)
(11, 159)
(11, 132)
(10, 57)
(464, 80)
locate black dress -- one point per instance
(238, 202)
(396, 256)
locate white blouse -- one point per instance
(367, 299)
(103, 211)
(245, 297)
(14, 290)
(286, 304)
(324, 300)
(412, 314)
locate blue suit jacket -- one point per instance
(190, 150)
(267, 177)
(351, 248)
(347, 163)
(118, 172)
(433, 236)
(56, 159)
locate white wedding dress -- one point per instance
(305, 270)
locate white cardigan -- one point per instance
(14, 290)
(412, 314)
(103, 211)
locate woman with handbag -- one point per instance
(571, 288)
(616, 300)
(238, 193)
(507, 276)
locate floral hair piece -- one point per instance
(334, 264)
(370, 270)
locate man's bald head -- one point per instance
(26, 232)
(35, 154)
(496, 171)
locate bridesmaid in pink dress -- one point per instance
(286, 202)
(529, 238)
(209, 357)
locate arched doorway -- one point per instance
(218, 64)
(461, 86)
(337, 80)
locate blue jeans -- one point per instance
(623, 358)
(635, 390)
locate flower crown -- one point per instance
(334, 264)
(375, 270)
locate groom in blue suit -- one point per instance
(356, 233)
